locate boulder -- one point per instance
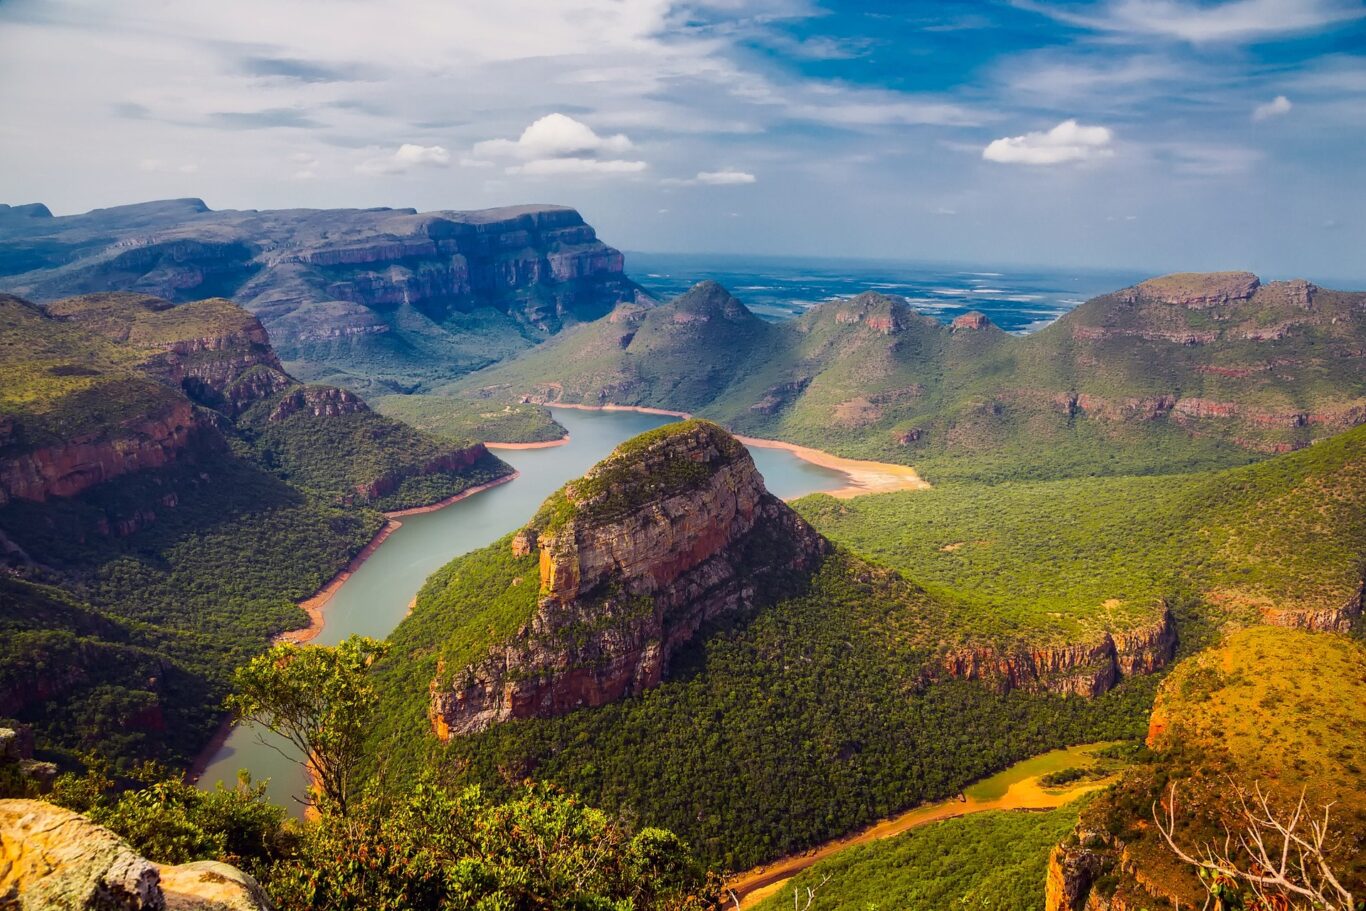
(53, 859)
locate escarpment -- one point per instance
(373, 294)
(673, 530)
(1082, 669)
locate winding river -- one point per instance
(376, 596)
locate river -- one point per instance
(376, 596)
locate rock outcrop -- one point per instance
(52, 858)
(1086, 669)
(66, 469)
(673, 530)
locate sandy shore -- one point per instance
(864, 477)
(544, 444)
(314, 606)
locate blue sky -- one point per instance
(1156, 134)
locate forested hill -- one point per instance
(1177, 373)
(167, 492)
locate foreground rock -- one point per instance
(56, 860)
(671, 531)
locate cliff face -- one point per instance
(1087, 669)
(78, 464)
(673, 530)
(349, 279)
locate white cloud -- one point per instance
(557, 144)
(1230, 21)
(1067, 142)
(158, 166)
(408, 157)
(543, 167)
(556, 136)
(726, 177)
(1273, 108)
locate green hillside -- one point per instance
(161, 469)
(1178, 374)
(1044, 561)
(462, 419)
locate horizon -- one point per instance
(1197, 136)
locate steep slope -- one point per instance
(1180, 373)
(1274, 708)
(381, 299)
(161, 468)
(668, 638)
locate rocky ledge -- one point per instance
(672, 530)
(51, 858)
(1086, 669)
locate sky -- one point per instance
(1160, 135)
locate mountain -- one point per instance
(374, 299)
(167, 492)
(1184, 372)
(670, 641)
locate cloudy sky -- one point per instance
(1155, 134)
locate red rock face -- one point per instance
(77, 465)
(619, 596)
(1082, 670)
(319, 401)
(970, 321)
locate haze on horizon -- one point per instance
(1157, 134)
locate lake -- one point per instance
(376, 597)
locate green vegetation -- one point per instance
(58, 382)
(772, 733)
(643, 469)
(215, 578)
(178, 574)
(994, 860)
(1048, 560)
(1096, 393)
(320, 701)
(459, 419)
(362, 457)
(429, 847)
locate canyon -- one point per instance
(371, 296)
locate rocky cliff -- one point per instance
(52, 858)
(1086, 669)
(357, 292)
(673, 530)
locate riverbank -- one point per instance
(1017, 788)
(544, 444)
(314, 606)
(864, 476)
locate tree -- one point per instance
(1268, 861)
(320, 700)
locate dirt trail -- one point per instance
(1024, 794)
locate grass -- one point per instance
(994, 860)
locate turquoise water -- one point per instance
(376, 597)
